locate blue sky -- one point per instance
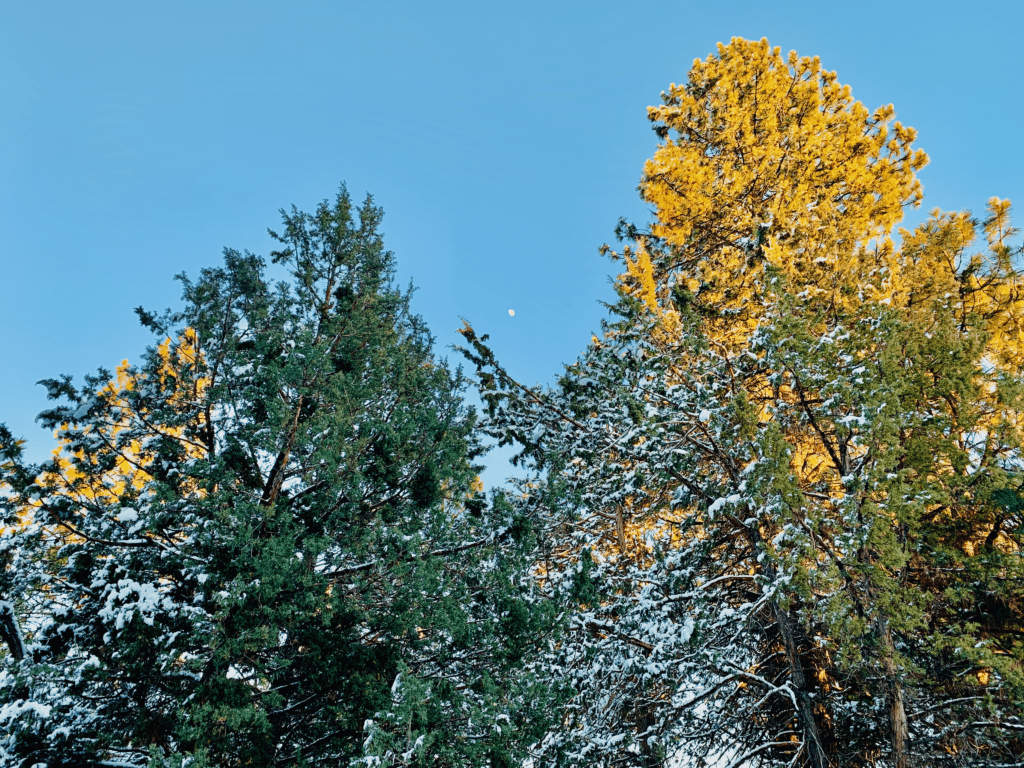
(503, 140)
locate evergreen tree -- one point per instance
(266, 544)
(781, 494)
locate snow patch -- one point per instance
(128, 515)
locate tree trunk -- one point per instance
(816, 754)
(620, 531)
(894, 696)
(812, 736)
(645, 721)
(10, 631)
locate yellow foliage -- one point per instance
(639, 281)
(936, 271)
(997, 225)
(642, 272)
(769, 170)
(130, 470)
(767, 160)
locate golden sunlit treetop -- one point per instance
(770, 159)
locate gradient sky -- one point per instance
(503, 140)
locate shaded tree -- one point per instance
(266, 543)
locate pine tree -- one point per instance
(266, 544)
(781, 494)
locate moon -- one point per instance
(511, 313)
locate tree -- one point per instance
(781, 494)
(266, 544)
(10, 628)
(769, 163)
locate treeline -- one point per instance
(773, 515)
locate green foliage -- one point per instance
(780, 497)
(265, 538)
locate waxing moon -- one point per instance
(511, 313)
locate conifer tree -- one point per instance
(781, 494)
(266, 543)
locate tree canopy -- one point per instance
(266, 544)
(781, 493)
(773, 515)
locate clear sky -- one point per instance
(503, 140)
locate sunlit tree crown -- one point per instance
(767, 159)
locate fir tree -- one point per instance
(266, 544)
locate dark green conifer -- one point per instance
(264, 544)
